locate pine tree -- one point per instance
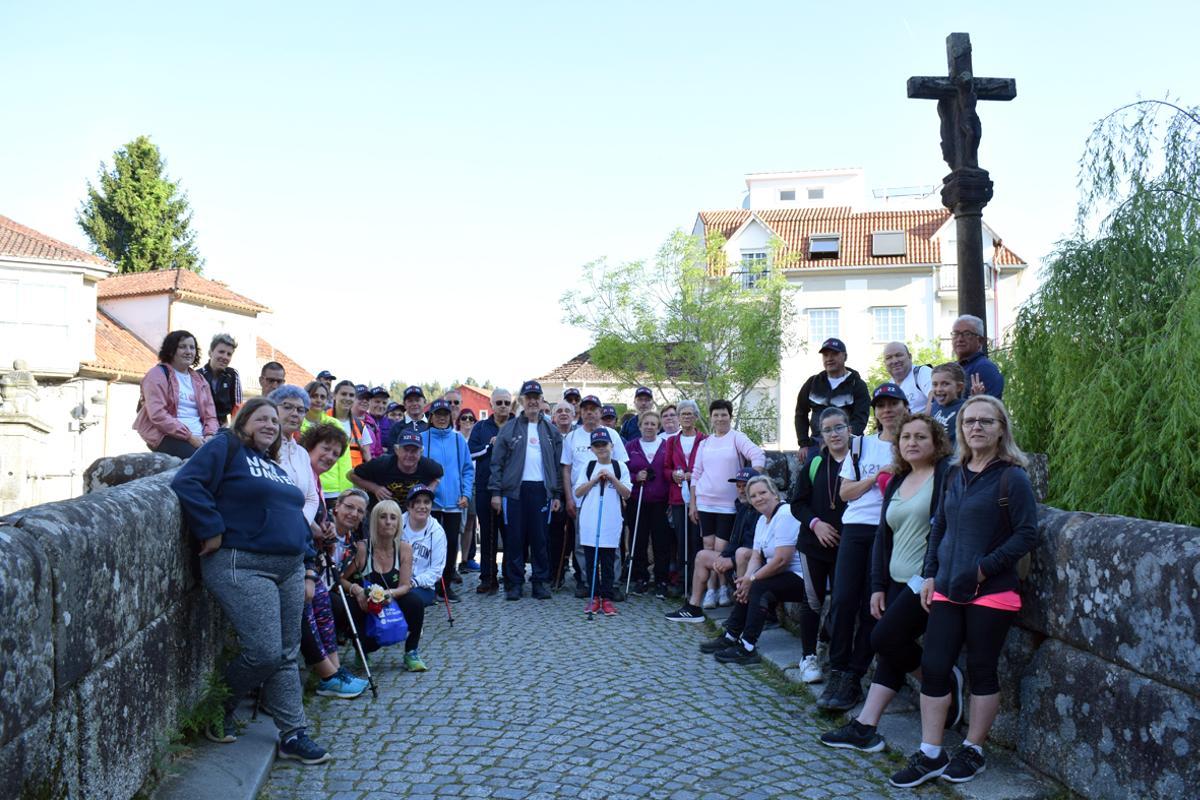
(137, 217)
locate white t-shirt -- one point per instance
(591, 514)
(364, 439)
(577, 450)
(533, 455)
(875, 453)
(650, 449)
(781, 531)
(836, 382)
(188, 412)
(916, 388)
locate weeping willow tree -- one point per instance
(1105, 358)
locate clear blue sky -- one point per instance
(412, 186)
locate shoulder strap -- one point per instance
(1002, 497)
(854, 457)
(813, 467)
(617, 469)
(589, 469)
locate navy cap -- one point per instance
(889, 390)
(531, 387)
(590, 399)
(833, 343)
(379, 391)
(326, 374)
(409, 438)
(569, 393)
(608, 411)
(361, 390)
(744, 474)
(417, 491)
(643, 390)
(439, 405)
(600, 436)
(393, 406)
(413, 390)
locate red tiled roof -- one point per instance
(794, 227)
(264, 351)
(579, 369)
(118, 352)
(19, 240)
(183, 283)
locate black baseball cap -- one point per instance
(379, 391)
(417, 491)
(439, 405)
(569, 393)
(590, 399)
(326, 375)
(413, 390)
(361, 391)
(608, 411)
(833, 343)
(393, 406)
(743, 474)
(643, 390)
(600, 436)
(531, 387)
(888, 390)
(409, 438)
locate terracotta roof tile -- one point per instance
(118, 351)
(19, 240)
(795, 227)
(185, 284)
(264, 351)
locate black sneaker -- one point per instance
(223, 732)
(965, 765)
(832, 687)
(299, 747)
(854, 736)
(618, 594)
(638, 588)
(920, 769)
(660, 591)
(513, 593)
(540, 592)
(449, 594)
(849, 694)
(954, 714)
(582, 592)
(710, 646)
(688, 613)
(738, 655)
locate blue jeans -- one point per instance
(526, 520)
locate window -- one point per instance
(787, 195)
(887, 243)
(889, 323)
(754, 267)
(817, 193)
(824, 245)
(822, 324)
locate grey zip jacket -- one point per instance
(508, 458)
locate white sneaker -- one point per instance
(724, 598)
(810, 670)
(710, 599)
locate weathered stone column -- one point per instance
(965, 192)
(22, 439)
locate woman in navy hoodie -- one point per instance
(249, 519)
(647, 465)
(987, 521)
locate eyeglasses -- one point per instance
(983, 422)
(502, 402)
(962, 334)
(292, 408)
(466, 419)
(455, 402)
(835, 429)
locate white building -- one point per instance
(83, 337)
(865, 275)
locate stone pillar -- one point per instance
(965, 192)
(22, 439)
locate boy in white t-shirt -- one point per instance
(600, 519)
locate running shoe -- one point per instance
(413, 662)
(608, 608)
(596, 606)
(337, 686)
(224, 731)
(688, 613)
(710, 599)
(810, 670)
(299, 747)
(854, 736)
(724, 598)
(920, 768)
(738, 655)
(966, 763)
(710, 646)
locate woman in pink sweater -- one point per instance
(177, 413)
(714, 496)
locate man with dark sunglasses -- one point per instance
(483, 436)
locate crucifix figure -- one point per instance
(967, 189)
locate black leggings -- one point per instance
(817, 574)
(951, 625)
(786, 587)
(850, 628)
(451, 522)
(651, 533)
(175, 447)
(894, 638)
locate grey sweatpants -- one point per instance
(263, 597)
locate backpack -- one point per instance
(142, 397)
(591, 467)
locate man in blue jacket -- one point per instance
(983, 376)
(643, 401)
(491, 525)
(525, 490)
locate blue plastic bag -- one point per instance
(388, 626)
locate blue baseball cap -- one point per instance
(608, 411)
(417, 491)
(439, 405)
(326, 375)
(590, 399)
(833, 343)
(413, 390)
(569, 393)
(743, 474)
(643, 391)
(393, 406)
(361, 390)
(888, 390)
(531, 387)
(379, 391)
(409, 438)
(600, 436)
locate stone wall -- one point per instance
(1101, 675)
(107, 638)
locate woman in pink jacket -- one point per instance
(176, 414)
(718, 459)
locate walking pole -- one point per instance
(596, 551)
(637, 515)
(686, 491)
(446, 597)
(336, 576)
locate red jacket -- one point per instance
(677, 459)
(157, 418)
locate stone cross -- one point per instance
(967, 189)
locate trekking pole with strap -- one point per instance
(637, 516)
(335, 576)
(446, 597)
(686, 492)
(596, 551)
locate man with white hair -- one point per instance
(967, 340)
(917, 382)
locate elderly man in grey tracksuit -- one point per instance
(525, 489)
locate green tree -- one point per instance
(688, 326)
(923, 352)
(1104, 360)
(137, 217)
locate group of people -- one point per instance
(328, 503)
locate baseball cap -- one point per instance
(409, 438)
(413, 390)
(361, 391)
(327, 375)
(889, 390)
(393, 406)
(833, 343)
(608, 411)
(643, 390)
(744, 474)
(417, 491)
(379, 391)
(439, 405)
(569, 393)
(590, 399)
(531, 387)
(600, 436)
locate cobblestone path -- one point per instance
(530, 700)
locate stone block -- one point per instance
(116, 557)
(1119, 587)
(1039, 475)
(110, 471)
(782, 467)
(1106, 731)
(1016, 659)
(27, 679)
(40, 761)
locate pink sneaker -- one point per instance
(608, 608)
(594, 607)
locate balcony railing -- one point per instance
(948, 277)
